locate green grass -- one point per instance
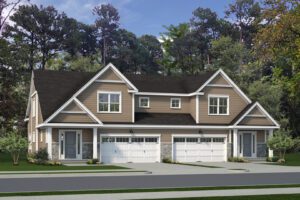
(256, 197)
(143, 190)
(6, 165)
(292, 159)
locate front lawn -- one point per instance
(6, 164)
(292, 159)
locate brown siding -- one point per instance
(89, 99)
(72, 118)
(109, 75)
(219, 80)
(161, 104)
(72, 107)
(260, 135)
(55, 135)
(193, 106)
(256, 111)
(236, 105)
(87, 135)
(256, 121)
(42, 134)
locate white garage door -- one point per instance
(124, 149)
(199, 149)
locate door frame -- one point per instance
(207, 135)
(132, 135)
(62, 137)
(253, 143)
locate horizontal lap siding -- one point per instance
(72, 118)
(256, 111)
(161, 104)
(89, 99)
(109, 75)
(260, 136)
(219, 80)
(72, 107)
(236, 105)
(256, 121)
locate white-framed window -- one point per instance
(33, 107)
(218, 105)
(144, 102)
(175, 103)
(109, 102)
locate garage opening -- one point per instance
(199, 149)
(125, 149)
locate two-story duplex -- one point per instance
(119, 117)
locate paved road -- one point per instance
(144, 181)
(159, 195)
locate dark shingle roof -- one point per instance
(56, 87)
(164, 119)
(168, 84)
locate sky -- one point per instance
(139, 16)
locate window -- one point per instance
(122, 139)
(108, 139)
(109, 102)
(177, 139)
(192, 140)
(151, 140)
(205, 139)
(33, 107)
(137, 139)
(221, 140)
(144, 102)
(175, 103)
(218, 105)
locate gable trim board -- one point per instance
(109, 66)
(224, 75)
(262, 109)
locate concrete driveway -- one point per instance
(204, 168)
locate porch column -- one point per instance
(235, 143)
(49, 141)
(270, 150)
(95, 143)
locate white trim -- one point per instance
(197, 109)
(109, 81)
(169, 94)
(179, 103)
(26, 119)
(263, 110)
(49, 141)
(109, 93)
(140, 99)
(88, 84)
(220, 71)
(218, 103)
(133, 107)
(87, 110)
(235, 142)
(34, 93)
(73, 112)
(256, 116)
(219, 85)
(95, 143)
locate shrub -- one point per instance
(167, 160)
(13, 143)
(53, 163)
(92, 161)
(237, 159)
(272, 159)
(42, 155)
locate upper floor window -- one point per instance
(33, 107)
(109, 102)
(175, 103)
(144, 102)
(218, 105)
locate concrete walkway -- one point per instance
(159, 195)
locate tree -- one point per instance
(13, 143)
(227, 54)
(281, 142)
(245, 13)
(37, 31)
(107, 23)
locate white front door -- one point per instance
(199, 149)
(124, 149)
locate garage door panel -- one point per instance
(195, 149)
(130, 149)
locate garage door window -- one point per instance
(221, 140)
(122, 139)
(137, 139)
(179, 140)
(108, 139)
(205, 139)
(192, 140)
(150, 139)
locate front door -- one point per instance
(70, 144)
(247, 145)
